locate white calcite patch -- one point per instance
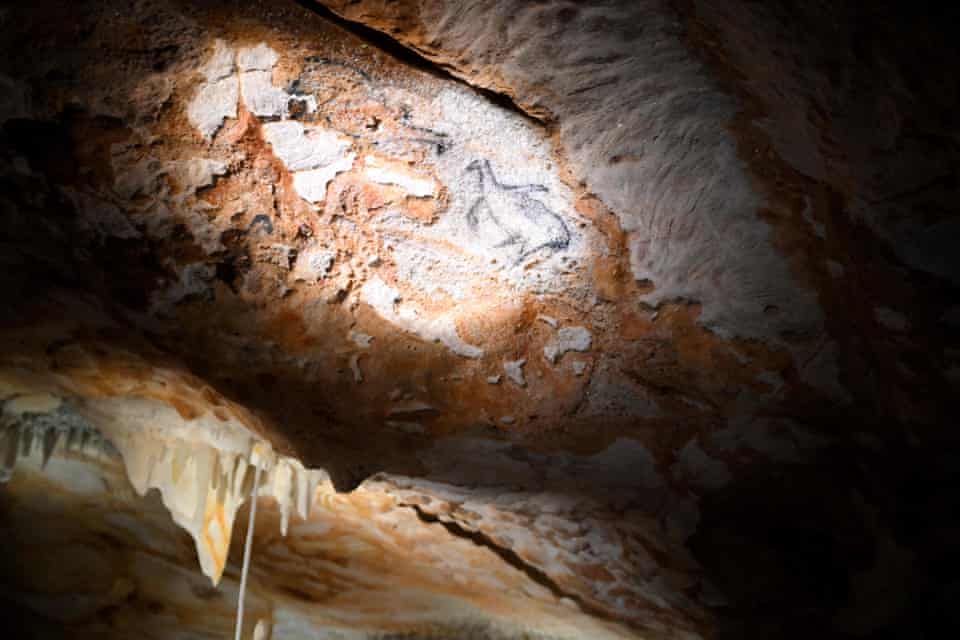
(259, 94)
(355, 368)
(383, 173)
(245, 75)
(514, 371)
(300, 148)
(311, 185)
(548, 320)
(258, 58)
(567, 339)
(385, 300)
(216, 100)
(313, 263)
(315, 155)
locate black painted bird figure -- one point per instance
(524, 220)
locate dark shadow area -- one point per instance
(856, 544)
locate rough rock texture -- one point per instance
(644, 127)
(94, 557)
(619, 319)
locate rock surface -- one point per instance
(564, 294)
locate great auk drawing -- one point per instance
(524, 220)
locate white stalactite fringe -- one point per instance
(200, 467)
(246, 551)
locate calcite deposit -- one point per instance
(539, 319)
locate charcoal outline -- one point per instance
(526, 208)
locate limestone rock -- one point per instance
(577, 343)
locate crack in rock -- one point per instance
(509, 556)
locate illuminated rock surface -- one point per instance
(598, 320)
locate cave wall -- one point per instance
(605, 289)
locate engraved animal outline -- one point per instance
(514, 210)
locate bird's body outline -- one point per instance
(514, 210)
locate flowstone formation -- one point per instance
(540, 320)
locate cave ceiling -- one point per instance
(540, 319)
